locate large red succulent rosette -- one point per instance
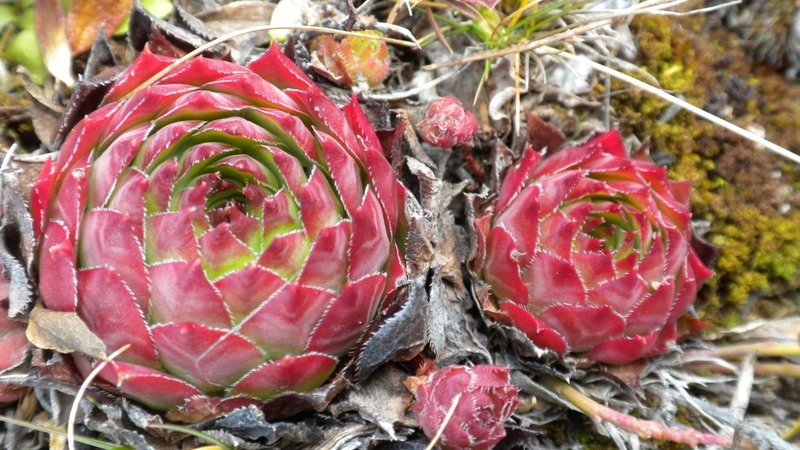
(588, 250)
(230, 223)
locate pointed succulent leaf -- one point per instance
(57, 260)
(210, 359)
(153, 387)
(290, 373)
(110, 310)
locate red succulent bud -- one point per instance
(484, 401)
(589, 251)
(447, 123)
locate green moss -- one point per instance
(734, 184)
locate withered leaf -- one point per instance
(86, 18)
(383, 400)
(86, 97)
(235, 16)
(63, 332)
(249, 423)
(542, 135)
(291, 403)
(452, 332)
(124, 423)
(144, 26)
(16, 243)
(101, 57)
(52, 36)
(401, 334)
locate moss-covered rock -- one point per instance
(746, 194)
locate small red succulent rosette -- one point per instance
(588, 250)
(447, 123)
(486, 400)
(354, 59)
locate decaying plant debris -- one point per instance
(509, 68)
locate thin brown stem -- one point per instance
(739, 351)
(646, 429)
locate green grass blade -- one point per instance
(192, 432)
(82, 439)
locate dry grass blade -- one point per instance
(547, 40)
(683, 104)
(569, 32)
(73, 412)
(397, 95)
(738, 351)
(447, 418)
(57, 432)
(792, 432)
(741, 397)
(255, 29)
(436, 29)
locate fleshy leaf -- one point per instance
(284, 323)
(210, 359)
(180, 291)
(295, 373)
(110, 311)
(346, 318)
(152, 387)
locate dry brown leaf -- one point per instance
(63, 332)
(52, 37)
(383, 400)
(87, 17)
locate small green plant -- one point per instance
(507, 24)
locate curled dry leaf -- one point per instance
(236, 16)
(401, 337)
(146, 28)
(52, 37)
(63, 332)
(383, 400)
(16, 240)
(250, 424)
(87, 18)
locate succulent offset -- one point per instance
(447, 123)
(354, 60)
(485, 400)
(231, 223)
(588, 250)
